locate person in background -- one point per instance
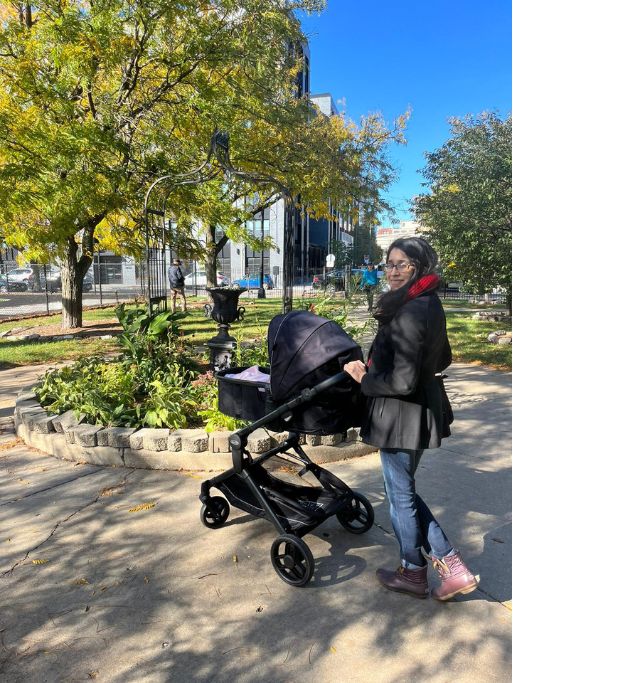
(407, 412)
(177, 283)
(369, 282)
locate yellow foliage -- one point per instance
(142, 506)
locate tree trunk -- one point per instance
(72, 275)
(38, 278)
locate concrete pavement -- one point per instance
(108, 574)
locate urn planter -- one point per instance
(225, 311)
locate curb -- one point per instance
(68, 438)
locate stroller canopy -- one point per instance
(299, 343)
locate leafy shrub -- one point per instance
(154, 383)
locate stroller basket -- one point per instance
(302, 508)
(243, 399)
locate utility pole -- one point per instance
(261, 292)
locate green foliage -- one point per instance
(339, 310)
(154, 382)
(209, 413)
(469, 341)
(138, 320)
(97, 100)
(148, 385)
(468, 213)
(365, 244)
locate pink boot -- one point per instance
(455, 577)
(411, 581)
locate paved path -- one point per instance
(107, 574)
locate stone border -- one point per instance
(68, 438)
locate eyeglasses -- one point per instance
(402, 265)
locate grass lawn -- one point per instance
(469, 341)
(468, 336)
(197, 328)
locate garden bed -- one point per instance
(70, 438)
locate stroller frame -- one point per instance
(265, 496)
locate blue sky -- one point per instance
(440, 58)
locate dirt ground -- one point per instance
(91, 328)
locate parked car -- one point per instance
(254, 281)
(89, 281)
(53, 282)
(20, 275)
(53, 278)
(27, 276)
(199, 279)
(7, 286)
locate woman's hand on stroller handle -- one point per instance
(357, 369)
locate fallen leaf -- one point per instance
(259, 609)
(146, 579)
(81, 581)
(110, 491)
(39, 561)
(235, 559)
(142, 506)
(332, 649)
(93, 674)
(10, 444)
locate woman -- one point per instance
(408, 411)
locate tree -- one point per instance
(365, 242)
(97, 100)
(283, 145)
(468, 212)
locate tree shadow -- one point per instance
(133, 587)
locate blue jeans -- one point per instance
(413, 523)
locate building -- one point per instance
(385, 235)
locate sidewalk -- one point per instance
(108, 573)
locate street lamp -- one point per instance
(261, 292)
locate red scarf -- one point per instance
(424, 284)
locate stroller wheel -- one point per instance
(358, 515)
(292, 559)
(215, 512)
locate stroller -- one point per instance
(307, 394)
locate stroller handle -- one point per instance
(328, 383)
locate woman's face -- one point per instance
(397, 277)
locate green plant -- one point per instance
(206, 387)
(326, 307)
(103, 392)
(148, 385)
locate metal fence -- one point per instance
(36, 288)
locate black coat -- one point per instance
(407, 406)
(176, 277)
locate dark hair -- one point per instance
(424, 260)
(176, 262)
